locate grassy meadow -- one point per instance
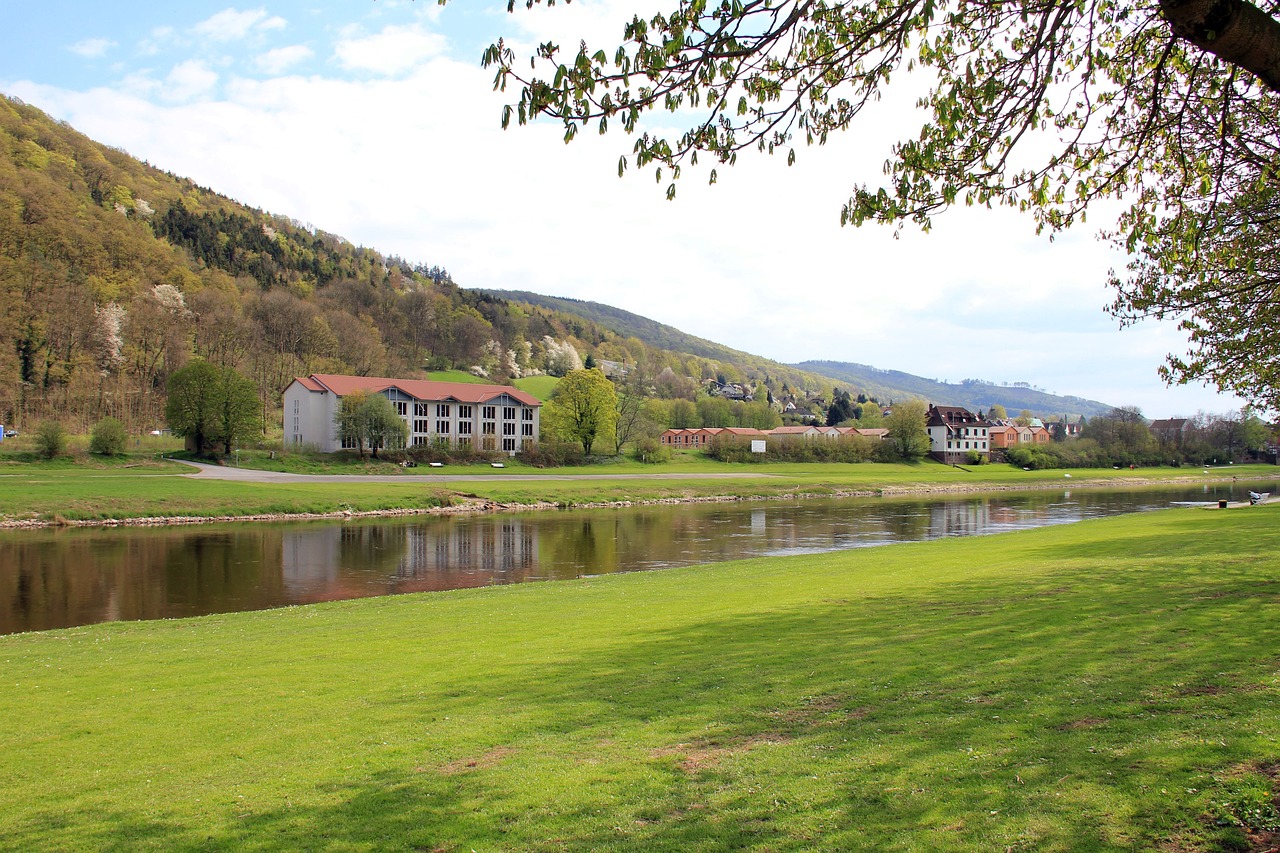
(86, 488)
(1107, 685)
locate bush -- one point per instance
(443, 451)
(652, 451)
(108, 438)
(552, 454)
(51, 439)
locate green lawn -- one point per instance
(539, 386)
(1108, 685)
(457, 376)
(89, 489)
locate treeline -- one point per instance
(1124, 438)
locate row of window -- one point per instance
(445, 410)
(421, 426)
(977, 445)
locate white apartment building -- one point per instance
(490, 417)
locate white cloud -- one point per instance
(393, 51)
(92, 48)
(157, 40)
(188, 80)
(282, 59)
(233, 25)
(758, 262)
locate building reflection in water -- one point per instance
(62, 578)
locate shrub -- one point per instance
(552, 454)
(108, 438)
(652, 451)
(51, 439)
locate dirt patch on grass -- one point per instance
(704, 754)
(466, 765)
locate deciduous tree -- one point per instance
(1048, 107)
(908, 430)
(582, 409)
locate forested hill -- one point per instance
(973, 394)
(625, 323)
(884, 385)
(113, 274)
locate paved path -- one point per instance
(252, 475)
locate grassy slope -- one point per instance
(539, 386)
(1099, 686)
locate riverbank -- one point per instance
(1107, 685)
(159, 494)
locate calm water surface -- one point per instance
(62, 578)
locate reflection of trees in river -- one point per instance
(60, 578)
(54, 579)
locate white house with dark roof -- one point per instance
(490, 417)
(955, 432)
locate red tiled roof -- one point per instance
(420, 389)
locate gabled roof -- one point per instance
(1169, 425)
(419, 389)
(792, 430)
(952, 416)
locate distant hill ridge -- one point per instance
(973, 394)
(884, 385)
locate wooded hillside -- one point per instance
(113, 274)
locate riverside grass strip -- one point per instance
(62, 490)
(1106, 685)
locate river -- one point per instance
(59, 578)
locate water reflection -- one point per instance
(62, 578)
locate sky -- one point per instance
(374, 120)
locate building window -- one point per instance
(419, 410)
(464, 427)
(442, 427)
(464, 412)
(508, 429)
(509, 413)
(295, 407)
(526, 429)
(489, 428)
(348, 443)
(442, 410)
(527, 414)
(402, 407)
(419, 440)
(508, 444)
(489, 412)
(464, 439)
(421, 425)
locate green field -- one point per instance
(1108, 685)
(86, 489)
(539, 386)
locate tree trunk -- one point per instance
(1233, 30)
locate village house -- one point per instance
(490, 417)
(954, 433)
(1170, 431)
(1006, 434)
(702, 437)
